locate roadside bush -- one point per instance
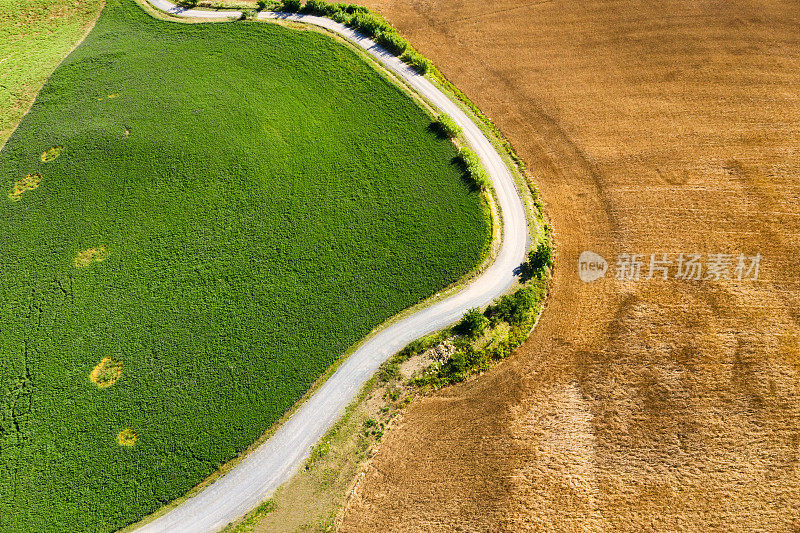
(268, 5)
(447, 126)
(518, 310)
(320, 7)
(470, 159)
(517, 307)
(370, 25)
(474, 168)
(352, 8)
(473, 323)
(454, 370)
(540, 259)
(420, 345)
(481, 178)
(290, 5)
(360, 19)
(417, 61)
(462, 364)
(392, 42)
(413, 348)
(248, 14)
(389, 370)
(314, 7)
(342, 17)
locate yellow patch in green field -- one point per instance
(127, 437)
(52, 153)
(87, 257)
(28, 183)
(110, 96)
(106, 373)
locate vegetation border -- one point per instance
(537, 222)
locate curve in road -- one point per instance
(263, 470)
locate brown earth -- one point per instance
(35, 35)
(651, 127)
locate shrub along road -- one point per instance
(275, 461)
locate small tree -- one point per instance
(353, 8)
(342, 17)
(392, 42)
(481, 178)
(515, 308)
(447, 126)
(540, 259)
(472, 164)
(248, 14)
(473, 323)
(370, 25)
(417, 61)
(320, 7)
(291, 5)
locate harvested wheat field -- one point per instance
(668, 405)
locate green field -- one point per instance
(234, 206)
(34, 36)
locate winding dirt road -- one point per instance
(272, 463)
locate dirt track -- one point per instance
(652, 127)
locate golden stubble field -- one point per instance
(651, 127)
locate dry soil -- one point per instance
(651, 127)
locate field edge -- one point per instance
(526, 188)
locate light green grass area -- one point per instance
(197, 221)
(34, 36)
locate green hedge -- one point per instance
(342, 17)
(291, 5)
(447, 126)
(319, 7)
(392, 42)
(370, 24)
(472, 164)
(473, 323)
(540, 259)
(417, 61)
(515, 308)
(519, 310)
